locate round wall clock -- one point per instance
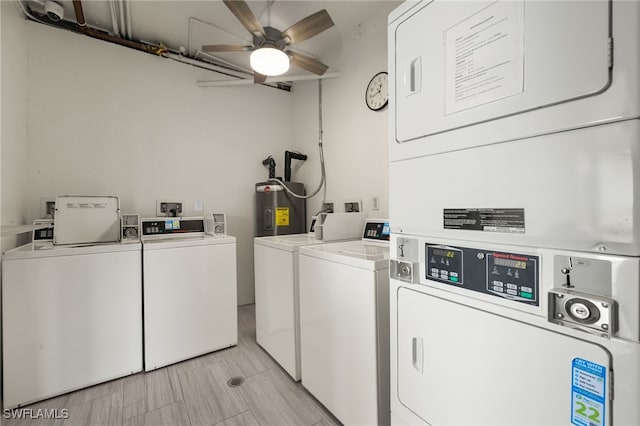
(377, 95)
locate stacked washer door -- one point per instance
(277, 297)
(515, 271)
(190, 291)
(71, 318)
(344, 325)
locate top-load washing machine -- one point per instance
(71, 313)
(277, 286)
(514, 164)
(190, 290)
(344, 325)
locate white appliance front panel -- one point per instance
(471, 73)
(190, 302)
(459, 365)
(339, 338)
(69, 322)
(277, 306)
(577, 190)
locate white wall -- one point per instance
(13, 137)
(105, 119)
(355, 138)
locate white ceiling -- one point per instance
(190, 24)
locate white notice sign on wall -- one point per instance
(484, 56)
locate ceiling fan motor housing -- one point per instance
(273, 39)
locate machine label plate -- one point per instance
(487, 220)
(588, 392)
(282, 216)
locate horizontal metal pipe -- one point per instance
(205, 65)
(218, 83)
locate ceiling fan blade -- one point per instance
(246, 17)
(307, 63)
(308, 27)
(225, 48)
(259, 78)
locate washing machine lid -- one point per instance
(362, 254)
(28, 251)
(291, 242)
(159, 243)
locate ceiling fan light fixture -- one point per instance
(269, 61)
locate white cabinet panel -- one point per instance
(277, 323)
(190, 302)
(69, 322)
(339, 339)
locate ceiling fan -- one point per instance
(270, 55)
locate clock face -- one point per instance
(377, 95)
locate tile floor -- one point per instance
(194, 393)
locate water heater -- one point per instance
(277, 211)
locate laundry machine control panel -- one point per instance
(162, 226)
(507, 275)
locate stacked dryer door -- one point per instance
(489, 334)
(513, 187)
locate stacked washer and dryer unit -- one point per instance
(514, 170)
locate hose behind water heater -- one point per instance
(322, 170)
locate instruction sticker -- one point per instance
(282, 216)
(484, 56)
(588, 393)
(171, 224)
(487, 220)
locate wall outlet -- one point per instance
(328, 207)
(353, 206)
(197, 206)
(47, 207)
(168, 208)
(375, 203)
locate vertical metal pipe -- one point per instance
(77, 7)
(114, 18)
(121, 10)
(128, 10)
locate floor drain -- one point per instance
(234, 382)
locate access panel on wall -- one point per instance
(461, 63)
